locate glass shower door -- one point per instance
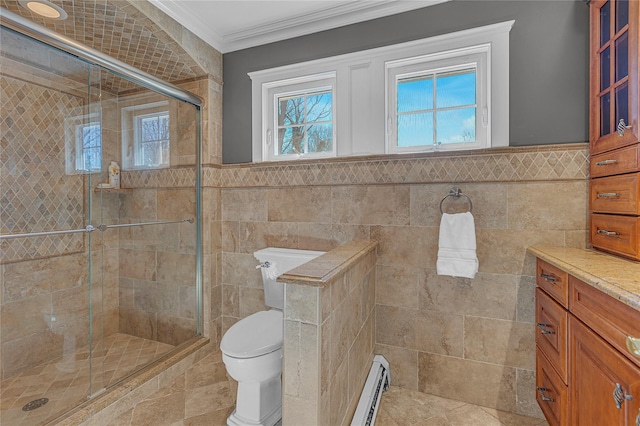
(49, 158)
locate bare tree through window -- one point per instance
(305, 123)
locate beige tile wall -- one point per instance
(328, 342)
(468, 339)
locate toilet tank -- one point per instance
(281, 260)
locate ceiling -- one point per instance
(122, 30)
(239, 24)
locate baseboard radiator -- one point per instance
(378, 381)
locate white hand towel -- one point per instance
(457, 246)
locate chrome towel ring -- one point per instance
(456, 193)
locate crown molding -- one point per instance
(291, 27)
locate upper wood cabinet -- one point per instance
(614, 195)
(614, 82)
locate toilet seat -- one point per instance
(258, 334)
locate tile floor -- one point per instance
(204, 396)
(65, 381)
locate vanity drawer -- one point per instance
(614, 321)
(624, 160)
(617, 234)
(551, 392)
(615, 194)
(551, 332)
(554, 281)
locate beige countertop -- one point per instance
(617, 277)
(323, 270)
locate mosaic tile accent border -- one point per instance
(551, 162)
(547, 163)
(163, 178)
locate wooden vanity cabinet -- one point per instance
(586, 372)
(614, 128)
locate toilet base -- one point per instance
(258, 403)
(274, 419)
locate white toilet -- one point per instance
(252, 347)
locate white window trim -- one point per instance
(480, 56)
(359, 96)
(74, 146)
(129, 123)
(270, 93)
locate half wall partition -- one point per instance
(96, 281)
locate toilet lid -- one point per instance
(255, 335)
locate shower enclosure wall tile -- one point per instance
(138, 264)
(175, 204)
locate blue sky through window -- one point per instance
(437, 107)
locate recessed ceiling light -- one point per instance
(44, 8)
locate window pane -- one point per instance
(456, 89)
(456, 126)
(415, 94)
(622, 104)
(605, 115)
(290, 110)
(415, 129)
(605, 76)
(319, 107)
(320, 138)
(622, 14)
(622, 57)
(605, 19)
(290, 140)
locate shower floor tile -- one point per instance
(65, 381)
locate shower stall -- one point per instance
(97, 280)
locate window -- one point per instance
(300, 118)
(447, 92)
(146, 135)
(439, 102)
(88, 147)
(151, 140)
(83, 144)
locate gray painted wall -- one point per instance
(549, 64)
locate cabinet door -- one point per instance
(604, 386)
(614, 81)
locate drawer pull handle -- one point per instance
(638, 420)
(548, 278)
(608, 233)
(607, 195)
(606, 162)
(542, 326)
(622, 127)
(542, 391)
(633, 344)
(619, 397)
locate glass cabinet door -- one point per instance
(614, 74)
